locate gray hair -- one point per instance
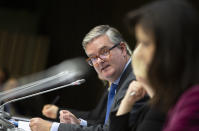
(112, 33)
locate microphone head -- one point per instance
(79, 82)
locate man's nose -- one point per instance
(99, 59)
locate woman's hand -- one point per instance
(134, 93)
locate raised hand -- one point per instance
(134, 93)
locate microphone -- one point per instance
(34, 86)
(77, 82)
(60, 74)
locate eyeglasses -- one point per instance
(103, 54)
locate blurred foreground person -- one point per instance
(167, 34)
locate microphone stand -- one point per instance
(4, 115)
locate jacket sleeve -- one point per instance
(95, 116)
(72, 127)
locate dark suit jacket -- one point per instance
(125, 80)
(148, 119)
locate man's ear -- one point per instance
(123, 48)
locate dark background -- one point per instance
(66, 22)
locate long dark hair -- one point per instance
(175, 65)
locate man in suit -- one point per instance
(109, 54)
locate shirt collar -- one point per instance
(118, 80)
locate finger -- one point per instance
(61, 112)
(133, 86)
(32, 122)
(132, 93)
(61, 116)
(64, 111)
(66, 116)
(47, 106)
(144, 93)
(65, 120)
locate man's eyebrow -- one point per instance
(103, 47)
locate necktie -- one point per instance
(110, 100)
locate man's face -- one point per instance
(111, 67)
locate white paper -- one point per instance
(24, 125)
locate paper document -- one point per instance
(24, 125)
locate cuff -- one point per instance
(54, 126)
(83, 122)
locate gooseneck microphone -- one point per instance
(77, 82)
(34, 86)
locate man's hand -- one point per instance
(50, 111)
(38, 124)
(68, 117)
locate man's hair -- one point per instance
(113, 34)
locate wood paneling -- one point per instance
(23, 54)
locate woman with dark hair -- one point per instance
(167, 34)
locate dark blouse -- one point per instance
(148, 119)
